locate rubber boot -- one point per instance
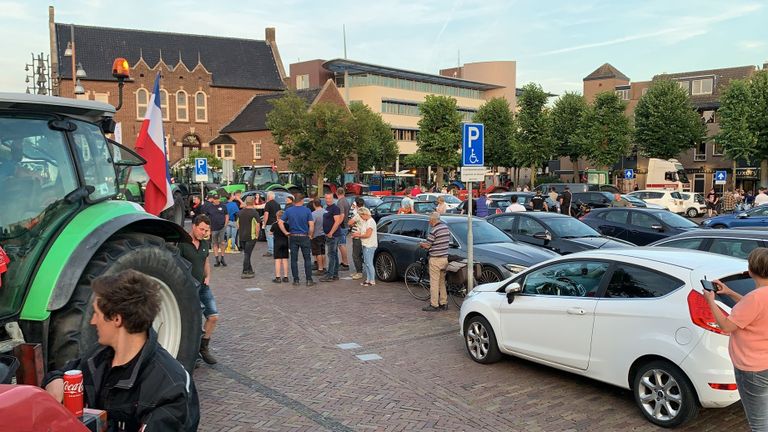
(205, 353)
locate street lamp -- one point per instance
(77, 68)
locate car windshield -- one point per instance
(423, 207)
(482, 232)
(372, 202)
(450, 199)
(674, 220)
(571, 228)
(633, 199)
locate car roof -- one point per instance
(55, 104)
(445, 218)
(684, 258)
(535, 215)
(654, 190)
(641, 209)
(722, 233)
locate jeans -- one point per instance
(753, 390)
(301, 243)
(370, 271)
(207, 302)
(270, 238)
(333, 256)
(357, 254)
(248, 249)
(232, 233)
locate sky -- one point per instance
(555, 43)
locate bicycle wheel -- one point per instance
(457, 293)
(417, 280)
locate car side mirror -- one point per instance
(543, 235)
(657, 227)
(511, 290)
(742, 216)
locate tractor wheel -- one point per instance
(178, 324)
(175, 214)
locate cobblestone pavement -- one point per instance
(280, 368)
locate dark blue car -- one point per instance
(637, 225)
(756, 217)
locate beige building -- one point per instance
(397, 93)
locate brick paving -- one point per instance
(280, 368)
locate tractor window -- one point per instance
(95, 159)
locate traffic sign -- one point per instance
(472, 144)
(629, 173)
(720, 177)
(473, 173)
(201, 169)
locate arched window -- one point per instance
(201, 107)
(164, 104)
(142, 99)
(182, 113)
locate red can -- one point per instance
(73, 392)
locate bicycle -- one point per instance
(417, 282)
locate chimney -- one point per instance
(270, 34)
(765, 65)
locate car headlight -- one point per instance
(514, 268)
(706, 222)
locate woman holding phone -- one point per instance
(748, 346)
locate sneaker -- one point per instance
(326, 279)
(311, 283)
(244, 275)
(343, 267)
(357, 276)
(250, 275)
(443, 307)
(295, 283)
(277, 280)
(285, 279)
(320, 273)
(267, 254)
(430, 308)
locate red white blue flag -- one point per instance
(151, 146)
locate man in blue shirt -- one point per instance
(332, 220)
(299, 220)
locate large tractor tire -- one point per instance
(178, 324)
(175, 214)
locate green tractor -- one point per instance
(62, 226)
(256, 177)
(133, 181)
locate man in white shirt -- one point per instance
(515, 207)
(761, 198)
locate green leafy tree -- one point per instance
(605, 134)
(376, 147)
(532, 141)
(316, 140)
(758, 84)
(666, 124)
(567, 116)
(497, 118)
(439, 135)
(736, 135)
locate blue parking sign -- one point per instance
(201, 169)
(472, 144)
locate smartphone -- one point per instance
(709, 286)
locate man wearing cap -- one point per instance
(219, 216)
(301, 228)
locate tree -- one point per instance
(376, 147)
(567, 116)
(497, 118)
(213, 161)
(736, 136)
(758, 84)
(605, 133)
(439, 135)
(532, 141)
(316, 140)
(666, 123)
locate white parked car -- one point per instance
(670, 200)
(451, 202)
(694, 204)
(635, 318)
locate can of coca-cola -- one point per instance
(73, 392)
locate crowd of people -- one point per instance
(734, 200)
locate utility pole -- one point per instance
(346, 72)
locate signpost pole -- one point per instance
(470, 241)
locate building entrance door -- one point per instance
(698, 183)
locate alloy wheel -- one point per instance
(385, 266)
(660, 394)
(478, 341)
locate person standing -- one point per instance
(300, 230)
(481, 206)
(281, 251)
(219, 217)
(729, 202)
(248, 226)
(441, 207)
(233, 210)
(712, 201)
(749, 199)
(553, 197)
(357, 245)
(196, 253)
(514, 206)
(437, 243)
(537, 202)
(318, 239)
(366, 233)
(270, 217)
(196, 208)
(619, 201)
(748, 344)
(344, 208)
(332, 220)
(761, 198)
(565, 199)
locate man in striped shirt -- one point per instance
(437, 243)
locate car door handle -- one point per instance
(576, 311)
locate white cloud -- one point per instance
(751, 44)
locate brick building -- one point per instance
(251, 141)
(206, 80)
(704, 88)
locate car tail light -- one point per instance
(701, 314)
(718, 386)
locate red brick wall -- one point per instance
(314, 68)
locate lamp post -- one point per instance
(38, 75)
(77, 68)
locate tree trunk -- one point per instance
(533, 176)
(320, 174)
(575, 163)
(438, 177)
(764, 172)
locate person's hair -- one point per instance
(316, 202)
(270, 195)
(758, 262)
(440, 199)
(132, 295)
(237, 192)
(279, 214)
(363, 211)
(434, 217)
(201, 218)
(249, 200)
(340, 191)
(298, 197)
(513, 199)
(359, 202)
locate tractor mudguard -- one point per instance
(60, 270)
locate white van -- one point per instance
(670, 200)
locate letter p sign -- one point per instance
(472, 149)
